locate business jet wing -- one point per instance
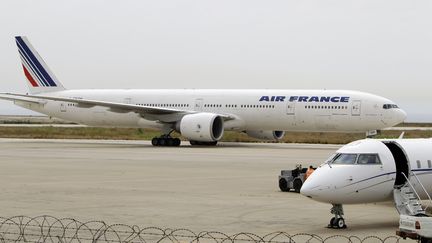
(167, 115)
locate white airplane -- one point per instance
(202, 116)
(369, 171)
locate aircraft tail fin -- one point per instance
(40, 78)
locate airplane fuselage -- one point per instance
(285, 110)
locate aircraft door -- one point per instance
(198, 104)
(402, 163)
(290, 108)
(356, 108)
(62, 107)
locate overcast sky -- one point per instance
(381, 47)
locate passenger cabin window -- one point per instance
(368, 159)
(345, 159)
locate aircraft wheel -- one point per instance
(192, 142)
(332, 222)
(340, 223)
(155, 141)
(283, 185)
(425, 240)
(162, 141)
(169, 142)
(297, 185)
(177, 142)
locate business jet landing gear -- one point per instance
(166, 140)
(337, 221)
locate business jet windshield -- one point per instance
(358, 159)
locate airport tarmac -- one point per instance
(230, 188)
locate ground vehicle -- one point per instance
(417, 227)
(292, 179)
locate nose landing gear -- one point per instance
(337, 222)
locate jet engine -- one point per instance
(204, 127)
(266, 135)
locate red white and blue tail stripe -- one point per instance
(39, 76)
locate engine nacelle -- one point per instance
(203, 127)
(266, 135)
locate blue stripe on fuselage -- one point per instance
(426, 171)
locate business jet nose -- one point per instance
(317, 186)
(306, 189)
(311, 186)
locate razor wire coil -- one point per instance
(51, 229)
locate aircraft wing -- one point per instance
(24, 99)
(167, 115)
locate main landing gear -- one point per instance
(199, 143)
(166, 140)
(337, 222)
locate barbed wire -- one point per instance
(51, 229)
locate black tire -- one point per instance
(155, 142)
(340, 223)
(177, 142)
(214, 143)
(170, 142)
(297, 184)
(193, 143)
(283, 185)
(425, 240)
(162, 141)
(332, 222)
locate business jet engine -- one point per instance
(266, 135)
(203, 127)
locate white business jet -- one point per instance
(202, 116)
(369, 171)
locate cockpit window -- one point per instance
(344, 159)
(368, 159)
(360, 159)
(390, 106)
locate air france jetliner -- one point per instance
(369, 171)
(202, 116)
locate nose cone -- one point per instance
(306, 189)
(314, 185)
(395, 116)
(401, 116)
(398, 116)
